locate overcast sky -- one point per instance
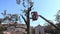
(46, 8)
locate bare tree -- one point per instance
(27, 12)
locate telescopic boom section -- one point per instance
(49, 22)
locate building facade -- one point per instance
(15, 28)
(39, 30)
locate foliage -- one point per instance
(10, 17)
(58, 16)
(50, 29)
(2, 28)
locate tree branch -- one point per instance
(29, 9)
(24, 19)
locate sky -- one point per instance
(46, 8)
